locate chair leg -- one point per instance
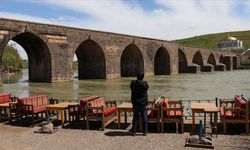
(182, 126)
(247, 129)
(87, 123)
(84, 123)
(224, 126)
(176, 125)
(103, 124)
(162, 127)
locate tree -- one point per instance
(11, 58)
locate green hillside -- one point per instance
(210, 40)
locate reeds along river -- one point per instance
(202, 86)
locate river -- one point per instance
(202, 86)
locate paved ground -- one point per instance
(16, 137)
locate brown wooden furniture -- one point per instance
(124, 107)
(60, 107)
(78, 111)
(5, 110)
(30, 107)
(171, 112)
(205, 108)
(5, 99)
(234, 111)
(101, 110)
(154, 113)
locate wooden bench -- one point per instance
(31, 107)
(234, 111)
(172, 112)
(101, 110)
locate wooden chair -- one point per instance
(31, 107)
(172, 112)
(101, 110)
(234, 111)
(153, 112)
(78, 111)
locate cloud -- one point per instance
(174, 19)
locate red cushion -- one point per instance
(152, 113)
(228, 113)
(109, 111)
(165, 102)
(177, 113)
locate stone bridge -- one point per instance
(103, 55)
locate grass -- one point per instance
(210, 40)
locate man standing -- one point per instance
(139, 98)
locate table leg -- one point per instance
(205, 122)
(119, 119)
(125, 116)
(0, 114)
(62, 117)
(48, 116)
(193, 120)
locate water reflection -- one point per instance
(182, 86)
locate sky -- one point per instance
(160, 19)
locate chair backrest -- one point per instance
(97, 102)
(36, 101)
(5, 98)
(239, 102)
(85, 100)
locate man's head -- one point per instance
(140, 76)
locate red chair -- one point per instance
(101, 110)
(172, 112)
(78, 111)
(234, 111)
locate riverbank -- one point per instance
(24, 138)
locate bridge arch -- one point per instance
(221, 59)
(182, 62)
(197, 59)
(91, 60)
(162, 62)
(131, 61)
(39, 56)
(211, 59)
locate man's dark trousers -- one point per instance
(143, 112)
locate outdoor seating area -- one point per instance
(160, 111)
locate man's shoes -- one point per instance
(133, 134)
(145, 133)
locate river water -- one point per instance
(202, 86)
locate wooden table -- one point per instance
(124, 107)
(204, 108)
(59, 107)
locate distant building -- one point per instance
(231, 43)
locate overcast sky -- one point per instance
(161, 19)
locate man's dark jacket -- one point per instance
(139, 95)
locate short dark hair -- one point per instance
(140, 76)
